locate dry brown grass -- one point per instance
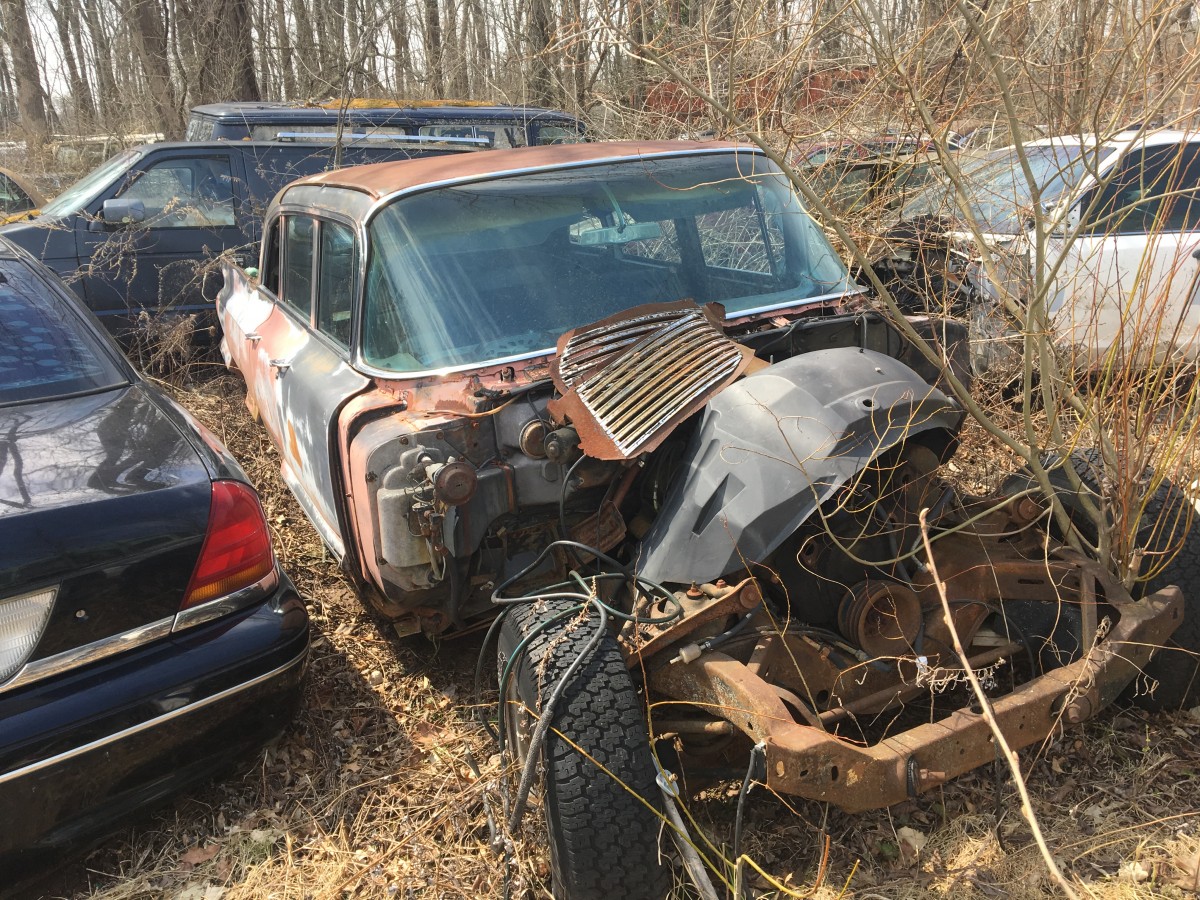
(371, 792)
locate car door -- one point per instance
(303, 343)
(1126, 279)
(166, 261)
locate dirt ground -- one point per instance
(382, 786)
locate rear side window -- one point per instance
(45, 350)
(558, 134)
(336, 281)
(297, 283)
(200, 128)
(1156, 189)
(269, 277)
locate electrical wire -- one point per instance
(757, 755)
(543, 725)
(587, 598)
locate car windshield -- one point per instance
(45, 352)
(997, 192)
(501, 268)
(86, 189)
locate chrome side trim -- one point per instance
(89, 653)
(151, 723)
(221, 606)
(136, 637)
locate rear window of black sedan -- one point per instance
(45, 349)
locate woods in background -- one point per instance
(630, 66)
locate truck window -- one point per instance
(200, 128)
(337, 280)
(557, 134)
(186, 193)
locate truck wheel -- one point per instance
(600, 794)
(1176, 666)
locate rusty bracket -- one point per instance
(737, 600)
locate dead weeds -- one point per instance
(377, 790)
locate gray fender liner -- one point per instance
(776, 444)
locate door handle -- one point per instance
(280, 366)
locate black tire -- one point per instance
(603, 839)
(1176, 666)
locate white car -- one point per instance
(1121, 236)
(1126, 241)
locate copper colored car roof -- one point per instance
(381, 179)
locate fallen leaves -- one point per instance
(199, 854)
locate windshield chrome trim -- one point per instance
(362, 366)
(88, 653)
(155, 722)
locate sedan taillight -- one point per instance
(237, 548)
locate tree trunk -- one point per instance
(284, 38)
(102, 56)
(8, 94)
(402, 61)
(81, 95)
(434, 76)
(150, 40)
(30, 96)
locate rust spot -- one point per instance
(293, 446)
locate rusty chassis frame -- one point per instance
(710, 693)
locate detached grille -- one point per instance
(628, 382)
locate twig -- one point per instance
(1009, 755)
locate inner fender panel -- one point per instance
(774, 446)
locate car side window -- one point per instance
(186, 193)
(296, 286)
(269, 277)
(1156, 189)
(337, 280)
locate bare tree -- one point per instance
(31, 97)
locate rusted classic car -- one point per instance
(627, 394)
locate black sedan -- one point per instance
(147, 634)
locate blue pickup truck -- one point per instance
(145, 231)
(496, 126)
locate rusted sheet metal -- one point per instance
(382, 179)
(810, 763)
(627, 381)
(728, 601)
(412, 405)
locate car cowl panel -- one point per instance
(103, 498)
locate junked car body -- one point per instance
(148, 636)
(634, 380)
(1120, 253)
